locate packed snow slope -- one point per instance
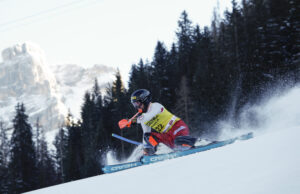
(266, 164)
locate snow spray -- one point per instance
(276, 112)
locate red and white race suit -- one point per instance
(166, 125)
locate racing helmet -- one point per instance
(141, 96)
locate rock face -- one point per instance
(25, 78)
(73, 81)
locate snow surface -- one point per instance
(268, 163)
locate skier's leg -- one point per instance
(180, 132)
(151, 140)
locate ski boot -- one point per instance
(184, 142)
(149, 151)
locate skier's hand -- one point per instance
(134, 120)
(129, 123)
(124, 123)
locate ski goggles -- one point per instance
(136, 104)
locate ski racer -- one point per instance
(159, 125)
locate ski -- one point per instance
(118, 167)
(217, 144)
(161, 157)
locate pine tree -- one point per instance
(121, 105)
(37, 134)
(184, 105)
(207, 81)
(161, 72)
(89, 137)
(4, 145)
(4, 152)
(4, 179)
(235, 32)
(276, 38)
(293, 45)
(133, 82)
(117, 106)
(74, 153)
(102, 139)
(108, 117)
(22, 167)
(47, 174)
(172, 76)
(61, 143)
(259, 14)
(184, 44)
(45, 163)
(139, 77)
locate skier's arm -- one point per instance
(154, 109)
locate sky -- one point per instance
(116, 33)
(265, 164)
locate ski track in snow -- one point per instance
(266, 164)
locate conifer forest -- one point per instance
(208, 74)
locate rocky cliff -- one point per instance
(47, 93)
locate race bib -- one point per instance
(162, 122)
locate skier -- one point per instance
(159, 125)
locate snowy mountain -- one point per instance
(74, 80)
(48, 93)
(268, 163)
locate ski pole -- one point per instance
(126, 123)
(129, 140)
